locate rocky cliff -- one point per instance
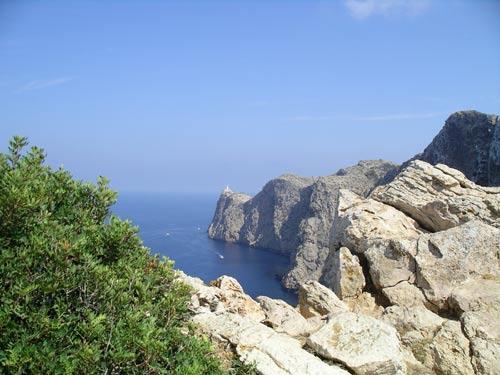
(293, 215)
(469, 142)
(413, 276)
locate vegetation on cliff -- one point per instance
(80, 293)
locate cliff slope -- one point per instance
(293, 215)
(469, 142)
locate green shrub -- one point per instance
(79, 291)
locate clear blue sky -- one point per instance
(191, 96)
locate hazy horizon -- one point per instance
(191, 97)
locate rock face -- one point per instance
(284, 318)
(317, 300)
(402, 278)
(446, 260)
(229, 216)
(365, 345)
(293, 215)
(469, 142)
(439, 197)
(346, 274)
(272, 353)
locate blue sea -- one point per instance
(175, 225)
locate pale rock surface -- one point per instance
(405, 294)
(234, 299)
(437, 343)
(450, 350)
(284, 318)
(359, 222)
(364, 344)
(224, 294)
(479, 303)
(364, 304)
(446, 260)
(391, 262)
(317, 300)
(272, 353)
(439, 197)
(345, 276)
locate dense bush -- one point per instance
(79, 293)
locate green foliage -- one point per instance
(79, 292)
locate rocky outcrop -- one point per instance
(446, 261)
(229, 216)
(293, 215)
(469, 142)
(363, 344)
(399, 278)
(284, 318)
(346, 274)
(317, 300)
(255, 343)
(439, 197)
(437, 343)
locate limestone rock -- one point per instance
(365, 345)
(481, 294)
(416, 321)
(359, 222)
(479, 302)
(364, 304)
(293, 215)
(485, 356)
(439, 197)
(317, 300)
(446, 260)
(308, 259)
(469, 142)
(405, 294)
(345, 275)
(228, 217)
(437, 343)
(223, 294)
(233, 298)
(450, 350)
(272, 353)
(284, 318)
(391, 262)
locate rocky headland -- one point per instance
(397, 268)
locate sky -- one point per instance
(191, 96)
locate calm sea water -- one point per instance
(176, 225)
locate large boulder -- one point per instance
(439, 344)
(450, 350)
(345, 276)
(360, 222)
(363, 344)
(254, 343)
(446, 260)
(439, 197)
(233, 299)
(317, 300)
(284, 318)
(469, 142)
(479, 302)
